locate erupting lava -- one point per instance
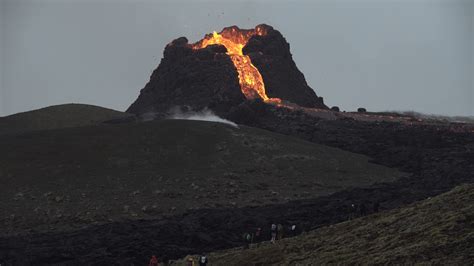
(234, 39)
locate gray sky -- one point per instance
(382, 55)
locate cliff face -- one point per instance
(220, 72)
(270, 53)
(186, 77)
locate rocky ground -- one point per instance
(435, 231)
(72, 177)
(437, 157)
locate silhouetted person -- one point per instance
(248, 240)
(281, 231)
(203, 260)
(258, 235)
(362, 210)
(165, 260)
(153, 261)
(376, 207)
(274, 233)
(293, 230)
(352, 211)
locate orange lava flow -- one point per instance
(250, 79)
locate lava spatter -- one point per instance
(250, 79)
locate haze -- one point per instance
(382, 55)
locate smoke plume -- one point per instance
(203, 115)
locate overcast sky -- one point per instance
(382, 55)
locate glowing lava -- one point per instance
(250, 79)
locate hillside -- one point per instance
(77, 176)
(120, 192)
(58, 116)
(438, 230)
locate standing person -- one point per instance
(258, 235)
(352, 211)
(274, 233)
(190, 261)
(203, 260)
(363, 210)
(153, 261)
(248, 240)
(293, 230)
(376, 207)
(280, 231)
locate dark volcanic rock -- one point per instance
(186, 77)
(270, 53)
(207, 77)
(436, 157)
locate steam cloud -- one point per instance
(204, 115)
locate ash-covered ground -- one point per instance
(225, 194)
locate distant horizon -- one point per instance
(388, 55)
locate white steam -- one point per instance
(204, 115)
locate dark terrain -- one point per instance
(438, 158)
(82, 185)
(437, 231)
(71, 177)
(59, 116)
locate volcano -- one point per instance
(224, 70)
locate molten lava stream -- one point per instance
(251, 82)
(250, 79)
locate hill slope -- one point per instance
(58, 116)
(84, 175)
(438, 230)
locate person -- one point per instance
(203, 260)
(362, 210)
(376, 207)
(352, 211)
(190, 261)
(153, 261)
(274, 232)
(293, 230)
(248, 240)
(280, 231)
(258, 234)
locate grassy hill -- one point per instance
(438, 230)
(66, 177)
(59, 116)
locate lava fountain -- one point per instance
(234, 40)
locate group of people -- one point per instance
(202, 261)
(191, 261)
(277, 232)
